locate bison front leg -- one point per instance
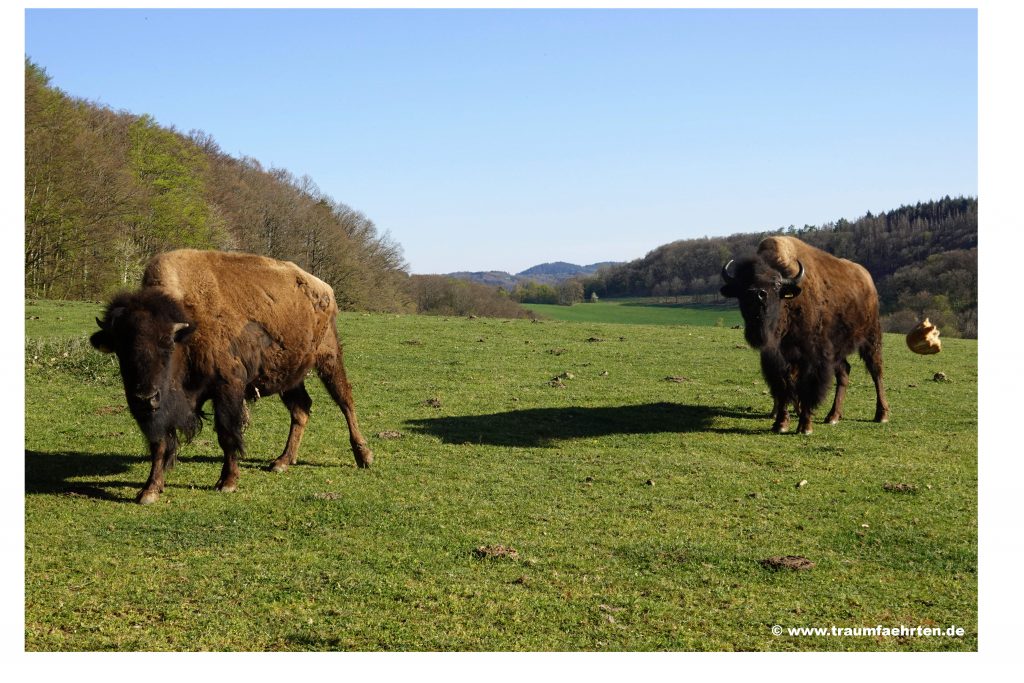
(229, 419)
(780, 413)
(804, 425)
(161, 452)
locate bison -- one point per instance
(223, 327)
(806, 311)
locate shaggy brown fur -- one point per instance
(806, 328)
(224, 327)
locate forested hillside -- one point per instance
(923, 259)
(105, 190)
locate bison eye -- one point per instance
(762, 295)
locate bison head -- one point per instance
(147, 331)
(760, 290)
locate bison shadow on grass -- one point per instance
(91, 475)
(73, 473)
(535, 427)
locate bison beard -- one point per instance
(806, 311)
(223, 327)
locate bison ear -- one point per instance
(101, 341)
(789, 291)
(182, 331)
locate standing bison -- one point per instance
(223, 327)
(807, 310)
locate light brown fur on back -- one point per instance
(228, 293)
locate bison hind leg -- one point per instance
(298, 402)
(871, 353)
(331, 369)
(842, 382)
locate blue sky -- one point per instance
(499, 139)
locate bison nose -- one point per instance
(153, 399)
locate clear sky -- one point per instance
(500, 139)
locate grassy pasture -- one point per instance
(639, 507)
(641, 312)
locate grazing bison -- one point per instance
(807, 310)
(223, 327)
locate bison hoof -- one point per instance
(780, 428)
(278, 466)
(364, 456)
(147, 497)
(227, 487)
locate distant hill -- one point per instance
(496, 278)
(545, 273)
(560, 270)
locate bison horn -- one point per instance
(795, 280)
(725, 273)
(112, 316)
(178, 327)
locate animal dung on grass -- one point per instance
(557, 380)
(792, 562)
(924, 338)
(502, 552)
(900, 487)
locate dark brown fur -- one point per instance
(806, 330)
(224, 327)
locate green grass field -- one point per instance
(639, 508)
(641, 312)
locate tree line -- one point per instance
(106, 190)
(923, 258)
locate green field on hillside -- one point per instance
(639, 508)
(641, 312)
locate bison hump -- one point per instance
(781, 253)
